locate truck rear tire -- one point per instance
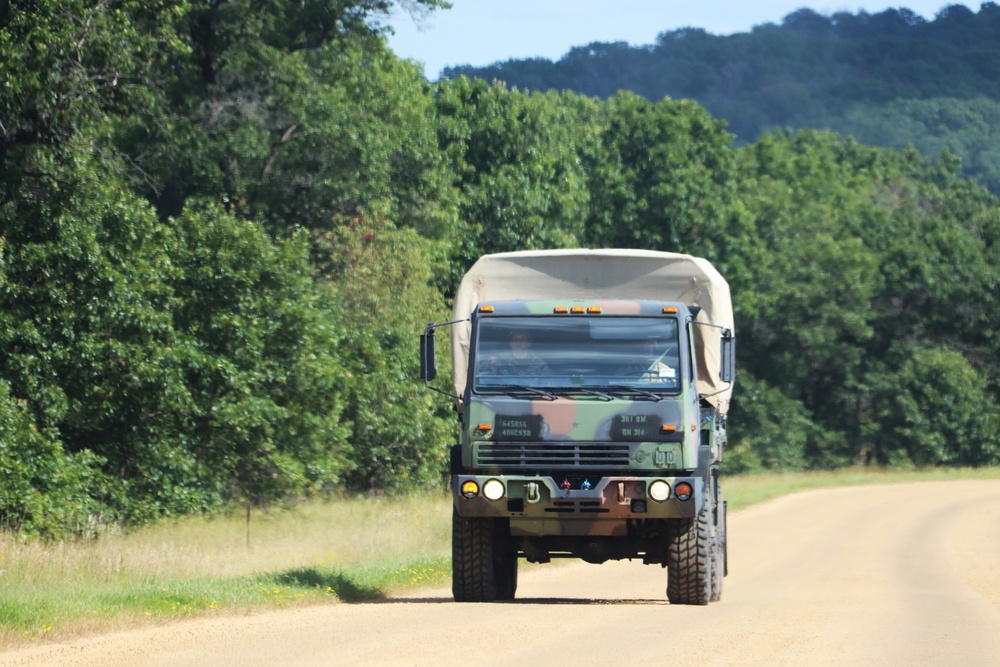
(473, 575)
(690, 560)
(719, 549)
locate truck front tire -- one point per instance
(691, 560)
(472, 569)
(483, 560)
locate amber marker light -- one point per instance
(668, 428)
(670, 310)
(484, 427)
(683, 491)
(560, 310)
(470, 489)
(577, 310)
(485, 309)
(596, 310)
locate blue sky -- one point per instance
(480, 32)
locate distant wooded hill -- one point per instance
(888, 79)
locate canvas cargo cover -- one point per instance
(601, 274)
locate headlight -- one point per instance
(493, 489)
(470, 489)
(659, 490)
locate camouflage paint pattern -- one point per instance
(581, 465)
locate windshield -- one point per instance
(575, 353)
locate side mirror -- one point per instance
(727, 373)
(428, 363)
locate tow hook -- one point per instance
(533, 496)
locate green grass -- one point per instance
(46, 611)
(744, 491)
(349, 550)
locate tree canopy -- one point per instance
(223, 225)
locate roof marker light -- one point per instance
(577, 310)
(561, 310)
(594, 309)
(670, 310)
(485, 309)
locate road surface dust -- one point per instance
(904, 574)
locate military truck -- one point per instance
(592, 388)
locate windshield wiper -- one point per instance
(511, 389)
(569, 391)
(636, 390)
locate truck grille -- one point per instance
(534, 455)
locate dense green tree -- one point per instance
(382, 292)
(62, 65)
(770, 430)
(262, 385)
(514, 162)
(866, 250)
(932, 408)
(75, 249)
(43, 490)
(662, 179)
(293, 136)
(213, 98)
(804, 318)
(967, 128)
(193, 358)
(189, 361)
(86, 324)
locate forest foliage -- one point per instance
(223, 225)
(891, 78)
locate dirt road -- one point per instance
(881, 575)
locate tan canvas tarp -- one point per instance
(601, 274)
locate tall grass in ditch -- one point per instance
(352, 549)
(346, 549)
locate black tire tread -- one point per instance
(472, 568)
(689, 561)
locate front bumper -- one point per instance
(540, 505)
